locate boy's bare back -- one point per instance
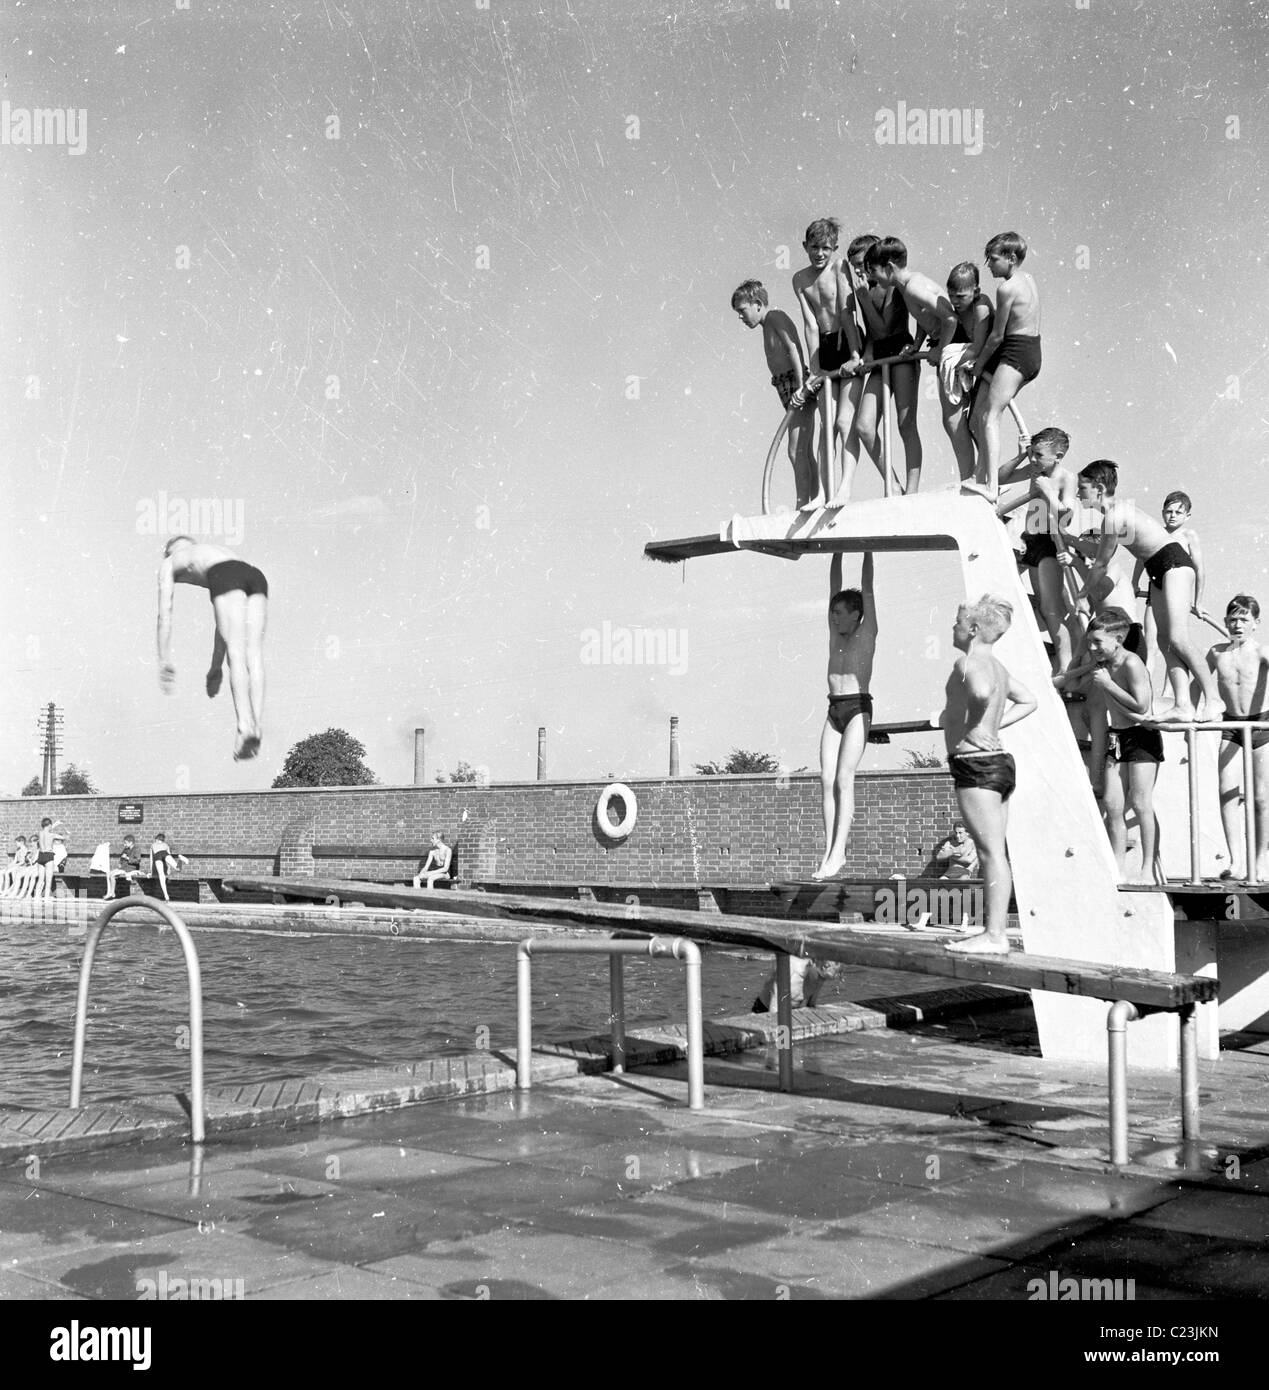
(780, 343)
(1019, 301)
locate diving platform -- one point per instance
(1066, 882)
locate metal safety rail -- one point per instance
(658, 948)
(196, 1110)
(1214, 726)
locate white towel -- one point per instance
(100, 862)
(954, 379)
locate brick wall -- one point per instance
(711, 829)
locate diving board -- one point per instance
(1065, 877)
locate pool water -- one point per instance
(277, 1007)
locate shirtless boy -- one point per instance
(832, 343)
(1049, 492)
(1010, 357)
(1171, 594)
(240, 599)
(974, 317)
(852, 645)
(1242, 676)
(1121, 696)
(908, 292)
(1176, 516)
(982, 772)
(788, 376)
(436, 865)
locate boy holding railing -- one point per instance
(957, 393)
(832, 343)
(910, 292)
(1010, 357)
(1176, 515)
(1241, 667)
(788, 376)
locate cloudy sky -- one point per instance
(431, 301)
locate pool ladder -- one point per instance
(196, 1111)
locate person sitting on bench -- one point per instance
(436, 865)
(165, 861)
(958, 854)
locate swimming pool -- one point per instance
(277, 1007)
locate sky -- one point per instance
(433, 300)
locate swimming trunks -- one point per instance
(229, 575)
(1039, 546)
(786, 384)
(1135, 642)
(1020, 351)
(993, 772)
(893, 346)
(1135, 744)
(843, 708)
(1259, 737)
(45, 856)
(1172, 556)
(834, 351)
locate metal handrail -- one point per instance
(1216, 726)
(197, 1126)
(657, 947)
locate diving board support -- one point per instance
(1065, 878)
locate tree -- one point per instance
(35, 787)
(739, 760)
(75, 781)
(915, 758)
(464, 772)
(330, 759)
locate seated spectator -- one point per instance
(165, 860)
(958, 853)
(129, 865)
(436, 865)
(17, 862)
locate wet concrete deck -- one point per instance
(944, 1163)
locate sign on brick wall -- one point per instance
(131, 813)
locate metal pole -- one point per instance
(617, 1002)
(1117, 1020)
(420, 775)
(885, 428)
(784, 1020)
(197, 1113)
(1189, 1072)
(1191, 752)
(828, 422)
(524, 1020)
(691, 954)
(1249, 804)
(674, 745)
(541, 755)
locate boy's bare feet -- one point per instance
(980, 945)
(816, 504)
(842, 499)
(246, 746)
(1173, 714)
(828, 868)
(214, 679)
(975, 489)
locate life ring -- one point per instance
(627, 822)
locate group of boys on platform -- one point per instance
(1077, 537)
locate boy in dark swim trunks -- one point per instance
(909, 292)
(788, 376)
(1126, 753)
(852, 645)
(974, 317)
(1049, 492)
(1176, 516)
(1010, 357)
(983, 774)
(832, 344)
(1171, 573)
(240, 598)
(1241, 667)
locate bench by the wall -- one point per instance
(93, 887)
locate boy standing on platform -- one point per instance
(852, 645)
(788, 376)
(832, 344)
(1242, 674)
(1010, 357)
(924, 299)
(983, 774)
(1176, 516)
(1171, 572)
